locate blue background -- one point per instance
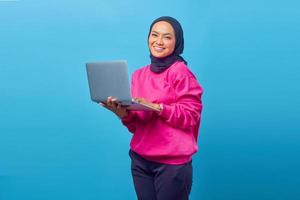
(56, 144)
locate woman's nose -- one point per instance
(159, 41)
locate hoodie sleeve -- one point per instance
(129, 121)
(133, 116)
(185, 112)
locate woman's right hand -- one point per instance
(113, 105)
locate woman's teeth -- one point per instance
(158, 48)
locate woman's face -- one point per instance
(162, 39)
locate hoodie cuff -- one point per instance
(165, 111)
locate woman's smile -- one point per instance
(159, 49)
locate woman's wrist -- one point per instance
(122, 115)
(158, 107)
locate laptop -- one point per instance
(110, 78)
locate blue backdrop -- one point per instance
(56, 144)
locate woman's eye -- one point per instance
(153, 35)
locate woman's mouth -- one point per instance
(159, 49)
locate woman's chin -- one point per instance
(159, 55)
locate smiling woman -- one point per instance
(164, 140)
(162, 39)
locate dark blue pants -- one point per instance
(156, 181)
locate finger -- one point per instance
(114, 100)
(114, 105)
(105, 104)
(108, 100)
(106, 107)
(111, 98)
(119, 106)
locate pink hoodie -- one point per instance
(170, 136)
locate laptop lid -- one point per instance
(108, 78)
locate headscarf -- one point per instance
(158, 65)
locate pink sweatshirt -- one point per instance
(170, 136)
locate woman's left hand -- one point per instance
(156, 106)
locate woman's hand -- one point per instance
(155, 106)
(113, 105)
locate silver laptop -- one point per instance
(110, 78)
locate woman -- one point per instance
(163, 141)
